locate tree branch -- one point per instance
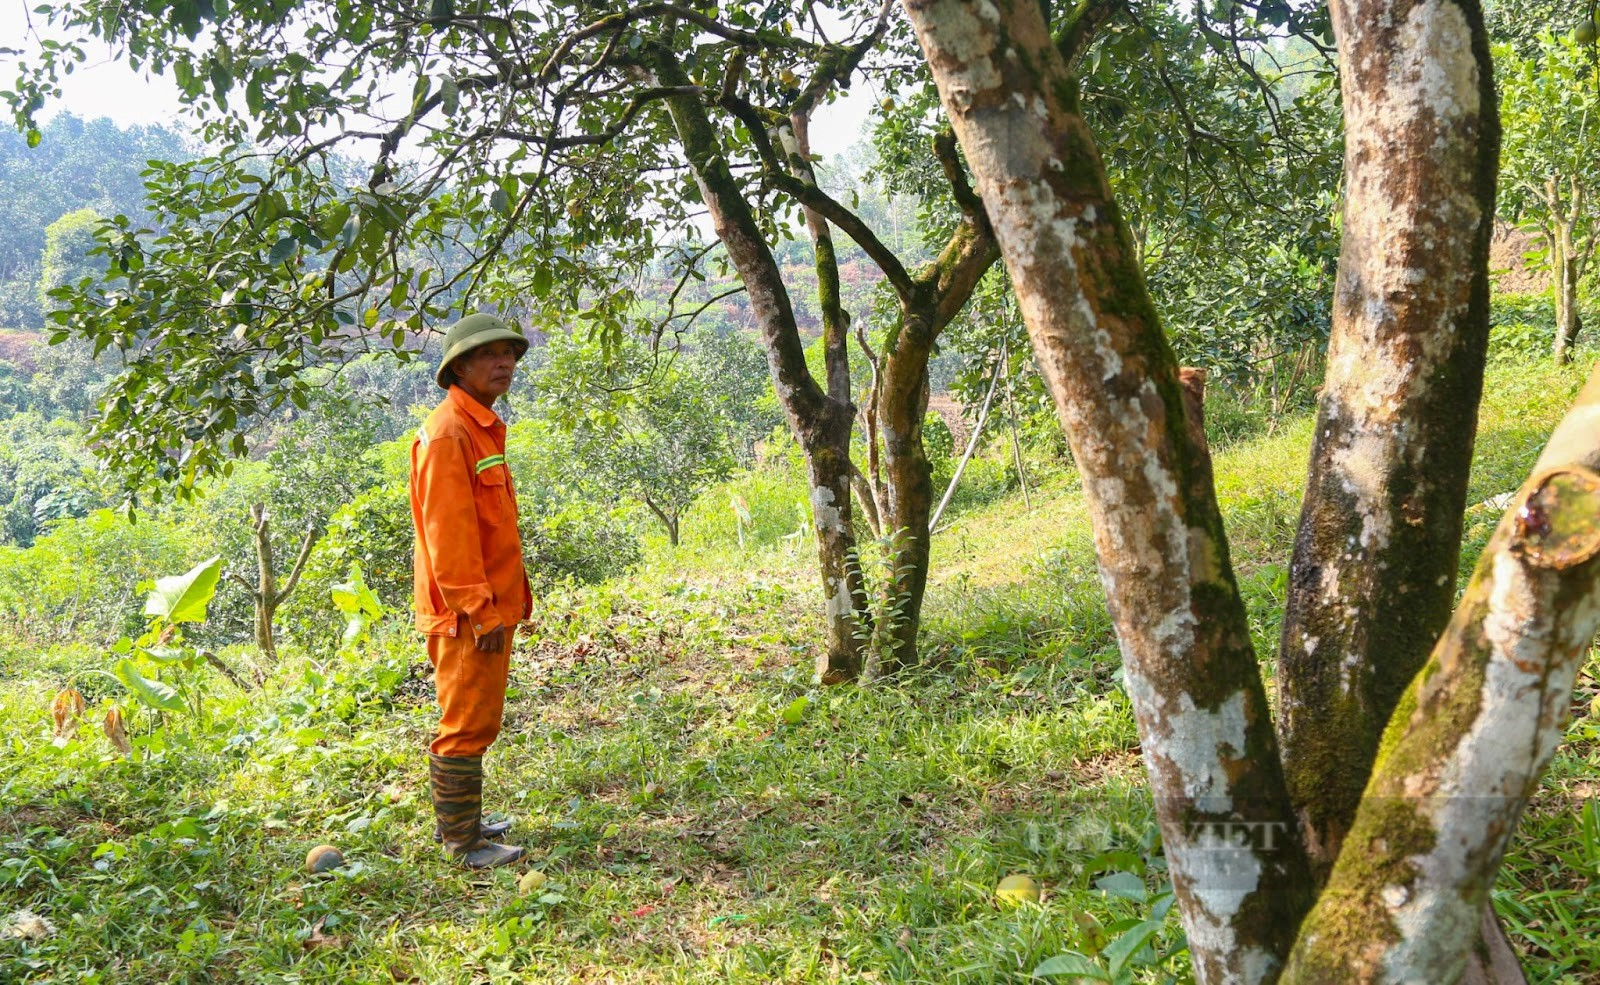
(812, 197)
(753, 40)
(944, 148)
(228, 672)
(838, 63)
(312, 533)
(1074, 40)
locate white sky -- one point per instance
(104, 87)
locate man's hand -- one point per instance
(495, 640)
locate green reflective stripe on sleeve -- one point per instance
(490, 462)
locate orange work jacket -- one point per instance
(468, 555)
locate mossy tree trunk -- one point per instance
(821, 420)
(899, 485)
(934, 297)
(1566, 260)
(1210, 751)
(1374, 568)
(1473, 733)
(265, 593)
(1407, 897)
(1373, 574)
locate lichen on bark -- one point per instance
(1189, 665)
(1473, 736)
(1372, 579)
(821, 421)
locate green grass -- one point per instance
(703, 813)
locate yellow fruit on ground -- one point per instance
(530, 882)
(1017, 888)
(323, 858)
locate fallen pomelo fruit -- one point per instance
(1015, 889)
(530, 882)
(323, 858)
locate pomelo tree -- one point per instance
(1355, 835)
(377, 171)
(1551, 109)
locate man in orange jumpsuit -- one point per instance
(471, 588)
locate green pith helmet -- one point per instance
(471, 332)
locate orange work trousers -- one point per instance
(472, 693)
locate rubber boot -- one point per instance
(492, 830)
(457, 783)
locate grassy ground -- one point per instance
(702, 813)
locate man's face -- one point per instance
(486, 371)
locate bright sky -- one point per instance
(104, 87)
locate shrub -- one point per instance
(578, 541)
(84, 578)
(373, 532)
(1523, 326)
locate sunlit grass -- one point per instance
(703, 813)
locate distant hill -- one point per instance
(78, 164)
(20, 348)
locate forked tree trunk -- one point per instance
(1210, 752)
(908, 491)
(1472, 736)
(1373, 575)
(898, 401)
(265, 594)
(1564, 259)
(1372, 581)
(821, 422)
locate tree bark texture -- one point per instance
(1566, 260)
(1372, 580)
(820, 421)
(908, 489)
(266, 582)
(266, 594)
(1210, 751)
(936, 295)
(1473, 733)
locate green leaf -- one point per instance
(183, 598)
(359, 605)
(1071, 963)
(1123, 884)
(167, 654)
(795, 710)
(500, 201)
(450, 94)
(283, 249)
(1122, 950)
(542, 280)
(152, 694)
(353, 596)
(221, 82)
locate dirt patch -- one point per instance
(1508, 267)
(949, 411)
(20, 348)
